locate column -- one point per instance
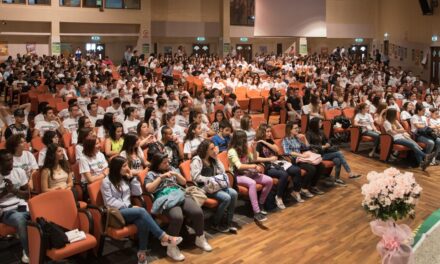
(225, 24)
(55, 39)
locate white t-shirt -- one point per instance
(93, 119)
(70, 124)
(42, 156)
(130, 126)
(118, 111)
(26, 162)
(434, 122)
(364, 120)
(250, 135)
(83, 102)
(388, 128)
(191, 146)
(418, 120)
(44, 126)
(182, 121)
(235, 123)
(79, 151)
(94, 166)
(405, 115)
(10, 201)
(136, 164)
(172, 106)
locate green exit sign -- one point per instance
(201, 39)
(359, 40)
(244, 39)
(96, 38)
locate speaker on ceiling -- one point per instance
(426, 7)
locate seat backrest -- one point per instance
(279, 143)
(257, 121)
(76, 174)
(37, 143)
(185, 169)
(67, 139)
(332, 113)
(61, 106)
(36, 181)
(95, 195)
(57, 206)
(406, 126)
(223, 158)
(349, 112)
(279, 131)
(71, 154)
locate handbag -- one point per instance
(196, 194)
(216, 183)
(313, 158)
(53, 234)
(251, 173)
(114, 219)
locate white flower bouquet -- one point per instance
(390, 194)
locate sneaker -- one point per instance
(221, 228)
(262, 209)
(340, 182)
(233, 230)
(202, 243)
(279, 202)
(330, 182)
(306, 193)
(172, 241)
(24, 258)
(260, 217)
(297, 197)
(174, 253)
(317, 191)
(142, 257)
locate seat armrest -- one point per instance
(138, 200)
(37, 247)
(85, 221)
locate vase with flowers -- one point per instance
(390, 196)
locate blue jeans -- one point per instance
(374, 135)
(420, 155)
(144, 223)
(227, 200)
(430, 144)
(283, 177)
(338, 159)
(18, 220)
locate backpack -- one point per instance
(54, 235)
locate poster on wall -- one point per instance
(56, 48)
(168, 50)
(263, 49)
(31, 48)
(3, 49)
(146, 48)
(226, 48)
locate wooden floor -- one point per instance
(332, 228)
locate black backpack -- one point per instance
(54, 235)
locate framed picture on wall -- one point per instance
(168, 50)
(3, 49)
(263, 49)
(31, 48)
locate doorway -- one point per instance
(97, 49)
(244, 51)
(359, 53)
(200, 49)
(435, 65)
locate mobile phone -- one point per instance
(22, 208)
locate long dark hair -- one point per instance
(156, 160)
(107, 121)
(13, 142)
(202, 151)
(217, 112)
(113, 128)
(83, 133)
(128, 111)
(148, 112)
(48, 137)
(81, 122)
(314, 125)
(239, 143)
(129, 146)
(89, 146)
(50, 161)
(190, 134)
(114, 174)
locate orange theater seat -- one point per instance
(279, 131)
(59, 207)
(356, 138)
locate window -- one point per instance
(14, 1)
(73, 3)
(92, 3)
(123, 4)
(39, 2)
(242, 12)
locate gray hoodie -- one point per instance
(197, 166)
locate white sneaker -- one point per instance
(174, 253)
(24, 258)
(202, 243)
(279, 202)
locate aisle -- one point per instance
(330, 229)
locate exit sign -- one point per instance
(244, 39)
(96, 38)
(200, 38)
(359, 40)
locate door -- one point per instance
(100, 50)
(200, 49)
(279, 49)
(435, 65)
(359, 53)
(244, 51)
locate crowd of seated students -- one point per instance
(127, 119)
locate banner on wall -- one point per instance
(3, 49)
(146, 49)
(226, 48)
(56, 48)
(31, 48)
